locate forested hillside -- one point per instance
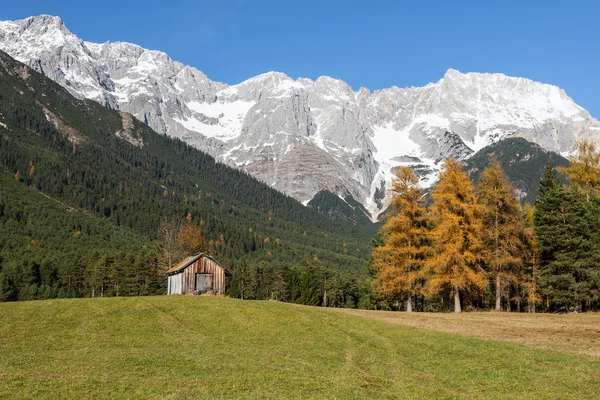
(112, 174)
(523, 162)
(339, 209)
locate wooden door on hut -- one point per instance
(197, 275)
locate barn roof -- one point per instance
(192, 259)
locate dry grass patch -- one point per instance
(577, 333)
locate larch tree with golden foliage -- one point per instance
(532, 260)
(584, 168)
(456, 236)
(190, 238)
(503, 229)
(399, 261)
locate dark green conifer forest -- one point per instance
(568, 228)
(92, 205)
(80, 208)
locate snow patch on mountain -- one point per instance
(298, 135)
(224, 122)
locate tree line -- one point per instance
(476, 247)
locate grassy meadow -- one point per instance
(214, 347)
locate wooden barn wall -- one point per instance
(203, 266)
(174, 284)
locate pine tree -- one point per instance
(503, 228)
(280, 285)
(399, 262)
(244, 277)
(456, 236)
(7, 290)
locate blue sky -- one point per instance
(375, 44)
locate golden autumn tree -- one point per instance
(533, 260)
(455, 263)
(31, 168)
(584, 168)
(399, 261)
(190, 237)
(503, 229)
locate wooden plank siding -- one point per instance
(184, 280)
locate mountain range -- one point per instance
(303, 136)
(78, 179)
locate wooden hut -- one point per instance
(197, 275)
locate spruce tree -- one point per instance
(456, 236)
(566, 223)
(399, 261)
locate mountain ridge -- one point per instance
(303, 136)
(136, 186)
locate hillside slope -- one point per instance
(49, 249)
(211, 347)
(524, 163)
(111, 166)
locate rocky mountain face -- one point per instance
(303, 136)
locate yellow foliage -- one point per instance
(399, 262)
(584, 170)
(191, 239)
(503, 231)
(456, 235)
(533, 259)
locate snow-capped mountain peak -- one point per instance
(301, 135)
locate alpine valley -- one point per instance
(305, 137)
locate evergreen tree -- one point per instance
(244, 281)
(7, 291)
(567, 227)
(310, 287)
(456, 236)
(280, 284)
(503, 229)
(399, 261)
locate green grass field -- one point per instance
(212, 347)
